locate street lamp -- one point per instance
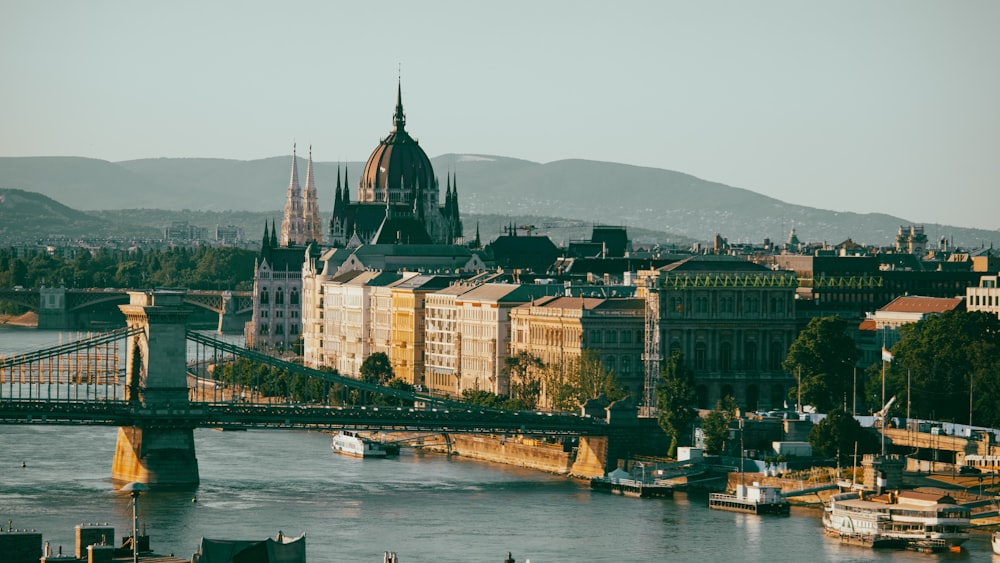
(134, 488)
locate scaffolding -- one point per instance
(651, 350)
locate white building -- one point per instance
(986, 297)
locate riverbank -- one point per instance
(29, 320)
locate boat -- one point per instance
(996, 542)
(910, 519)
(350, 443)
(753, 499)
(621, 482)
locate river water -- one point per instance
(425, 507)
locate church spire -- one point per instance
(310, 211)
(399, 118)
(293, 229)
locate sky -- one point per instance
(854, 105)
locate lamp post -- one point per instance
(134, 488)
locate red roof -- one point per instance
(914, 304)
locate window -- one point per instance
(626, 337)
(726, 356)
(700, 355)
(279, 297)
(265, 298)
(595, 337)
(750, 355)
(293, 298)
(611, 337)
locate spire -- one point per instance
(399, 118)
(347, 188)
(265, 244)
(274, 236)
(310, 207)
(293, 229)
(479, 243)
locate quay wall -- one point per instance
(532, 454)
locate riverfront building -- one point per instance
(557, 330)
(733, 321)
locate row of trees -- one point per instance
(202, 268)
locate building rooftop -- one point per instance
(919, 304)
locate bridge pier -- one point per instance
(229, 321)
(52, 313)
(156, 379)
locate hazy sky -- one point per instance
(890, 106)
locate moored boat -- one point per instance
(350, 443)
(621, 482)
(996, 542)
(752, 499)
(910, 519)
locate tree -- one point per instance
(674, 399)
(715, 425)
(837, 434)
(521, 370)
(941, 355)
(826, 356)
(376, 369)
(569, 385)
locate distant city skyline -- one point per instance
(850, 106)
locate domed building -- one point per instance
(398, 197)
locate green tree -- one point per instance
(826, 355)
(376, 369)
(715, 425)
(522, 370)
(941, 355)
(570, 385)
(837, 434)
(675, 398)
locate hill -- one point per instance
(662, 201)
(27, 216)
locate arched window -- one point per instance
(700, 355)
(750, 355)
(725, 356)
(265, 297)
(279, 297)
(293, 297)
(753, 397)
(777, 355)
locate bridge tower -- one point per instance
(156, 379)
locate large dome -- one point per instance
(399, 164)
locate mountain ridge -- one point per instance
(586, 190)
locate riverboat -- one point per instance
(621, 482)
(352, 444)
(910, 519)
(753, 499)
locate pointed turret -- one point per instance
(274, 236)
(293, 228)
(265, 244)
(479, 242)
(310, 206)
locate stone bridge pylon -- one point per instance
(156, 378)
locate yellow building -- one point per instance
(407, 355)
(556, 330)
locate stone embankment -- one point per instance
(526, 452)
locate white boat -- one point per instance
(350, 443)
(910, 519)
(621, 482)
(753, 499)
(996, 542)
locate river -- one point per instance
(426, 507)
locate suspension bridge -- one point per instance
(158, 381)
